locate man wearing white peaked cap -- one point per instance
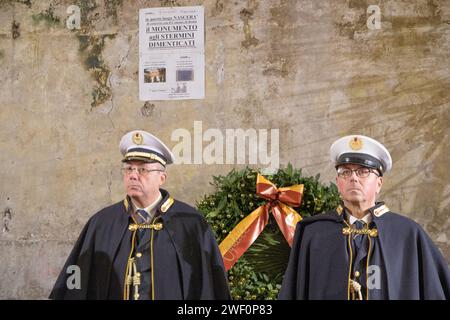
(148, 246)
(362, 250)
(143, 146)
(361, 150)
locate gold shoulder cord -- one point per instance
(129, 270)
(152, 260)
(349, 284)
(367, 268)
(354, 286)
(132, 276)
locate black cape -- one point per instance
(103, 247)
(318, 267)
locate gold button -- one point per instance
(357, 274)
(138, 254)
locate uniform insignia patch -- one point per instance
(356, 143)
(137, 138)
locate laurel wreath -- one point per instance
(259, 272)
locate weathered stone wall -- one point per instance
(312, 69)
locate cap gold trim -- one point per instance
(145, 155)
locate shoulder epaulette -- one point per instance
(378, 212)
(126, 204)
(167, 204)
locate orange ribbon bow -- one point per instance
(245, 233)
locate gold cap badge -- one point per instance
(356, 143)
(137, 138)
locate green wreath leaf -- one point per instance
(258, 274)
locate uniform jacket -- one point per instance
(195, 270)
(319, 264)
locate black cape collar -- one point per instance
(162, 207)
(377, 211)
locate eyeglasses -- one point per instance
(360, 172)
(141, 171)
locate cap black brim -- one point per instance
(362, 159)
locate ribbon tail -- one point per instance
(287, 219)
(243, 235)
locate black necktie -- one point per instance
(142, 216)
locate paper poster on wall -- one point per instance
(171, 53)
